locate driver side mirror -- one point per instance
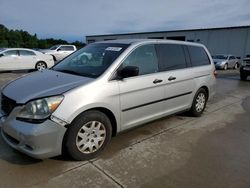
(128, 71)
(1, 55)
(58, 49)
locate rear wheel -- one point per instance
(87, 136)
(54, 58)
(41, 66)
(236, 66)
(199, 102)
(226, 66)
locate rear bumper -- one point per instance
(40, 141)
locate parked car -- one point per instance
(78, 106)
(225, 61)
(22, 58)
(60, 51)
(245, 68)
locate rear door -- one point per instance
(141, 96)
(28, 59)
(178, 75)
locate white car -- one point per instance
(60, 51)
(24, 59)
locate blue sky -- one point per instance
(74, 19)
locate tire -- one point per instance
(243, 77)
(200, 97)
(236, 66)
(40, 66)
(225, 66)
(87, 136)
(54, 58)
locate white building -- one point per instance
(226, 40)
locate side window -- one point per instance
(10, 52)
(198, 56)
(26, 53)
(231, 58)
(144, 58)
(70, 48)
(171, 56)
(67, 48)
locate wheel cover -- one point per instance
(200, 102)
(41, 66)
(90, 137)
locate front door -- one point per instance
(141, 96)
(9, 60)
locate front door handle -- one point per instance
(156, 81)
(171, 78)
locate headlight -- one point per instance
(243, 63)
(221, 62)
(40, 109)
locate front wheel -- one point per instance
(41, 66)
(199, 102)
(226, 66)
(87, 136)
(243, 77)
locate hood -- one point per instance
(219, 60)
(42, 84)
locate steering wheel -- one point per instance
(83, 60)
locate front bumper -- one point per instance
(219, 66)
(43, 140)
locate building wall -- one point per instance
(234, 41)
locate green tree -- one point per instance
(19, 38)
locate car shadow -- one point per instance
(17, 71)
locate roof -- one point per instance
(183, 30)
(126, 41)
(147, 41)
(18, 49)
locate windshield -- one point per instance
(220, 57)
(92, 60)
(2, 49)
(54, 47)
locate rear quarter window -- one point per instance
(67, 48)
(198, 56)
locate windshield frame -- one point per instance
(2, 50)
(55, 46)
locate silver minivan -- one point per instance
(105, 88)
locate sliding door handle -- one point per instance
(156, 81)
(171, 78)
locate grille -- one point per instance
(247, 62)
(7, 104)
